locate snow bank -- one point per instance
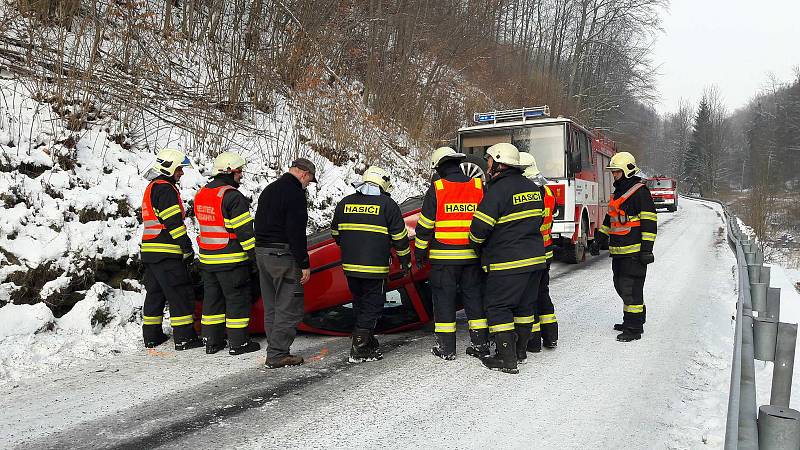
(16, 320)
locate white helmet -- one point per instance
(379, 177)
(442, 154)
(226, 162)
(529, 162)
(504, 153)
(169, 159)
(625, 162)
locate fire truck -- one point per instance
(664, 191)
(572, 158)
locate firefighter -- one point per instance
(442, 236)
(545, 327)
(631, 226)
(165, 251)
(366, 225)
(227, 256)
(505, 231)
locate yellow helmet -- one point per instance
(379, 177)
(225, 162)
(443, 154)
(529, 162)
(169, 159)
(504, 153)
(625, 162)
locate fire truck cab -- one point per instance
(570, 156)
(664, 191)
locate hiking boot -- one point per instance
(277, 363)
(365, 348)
(628, 336)
(478, 350)
(188, 345)
(246, 348)
(158, 340)
(214, 348)
(505, 357)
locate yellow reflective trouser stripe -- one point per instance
(648, 216)
(223, 258)
(152, 320)
(547, 318)
(425, 222)
(420, 244)
(181, 320)
(237, 323)
(625, 250)
(400, 235)
(605, 229)
(213, 319)
(404, 252)
(520, 215)
(249, 244)
(239, 220)
(484, 218)
(633, 308)
(178, 232)
(549, 254)
(475, 239)
(445, 327)
(452, 234)
(518, 263)
(536, 327)
(466, 253)
(365, 269)
(169, 212)
(363, 227)
(161, 248)
(501, 327)
(648, 236)
(478, 324)
(524, 319)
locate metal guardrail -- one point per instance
(759, 335)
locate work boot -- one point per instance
(479, 343)
(620, 327)
(550, 335)
(245, 348)
(478, 350)
(156, 341)
(523, 336)
(188, 345)
(212, 348)
(445, 347)
(505, 357)
(277, 363)
(365, 347)
(535, 342)
(628, 335)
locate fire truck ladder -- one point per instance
(507, 115)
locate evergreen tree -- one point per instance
(697, 156)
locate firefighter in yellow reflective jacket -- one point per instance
(165, 249)
(227, 257)
(631, 226)
(505, 232)
(366, 225)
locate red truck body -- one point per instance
(664, 191)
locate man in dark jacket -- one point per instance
(505, 231)
(366, 225)
(631, 224)
(165, 250)
(226, 244)
(283, 264)
(442, 233)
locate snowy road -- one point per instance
(666, 391)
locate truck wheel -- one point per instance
(574, 253)
(474, 167)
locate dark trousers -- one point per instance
(226, 306)
(282, 292)
(629, 276)
(511, 299)
(368, 299)
(545, 311)
(446, 283)
(168, 281)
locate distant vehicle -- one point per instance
(570, 156)
(664, 191)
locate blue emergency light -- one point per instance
(512, 115)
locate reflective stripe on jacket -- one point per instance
(156, 238)
(224, 240)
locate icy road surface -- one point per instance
(668, 390)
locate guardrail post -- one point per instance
(759, 257)
(784, 365)
(764, 275)
(765, 333)
(749, 257)
(758, 295)
(778, 428)
(774, 303)
(754, 272)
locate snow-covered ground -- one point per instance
(668, 390)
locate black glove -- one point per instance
(646, 258)
(594, 247)
(421, 257)
(405, 264)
